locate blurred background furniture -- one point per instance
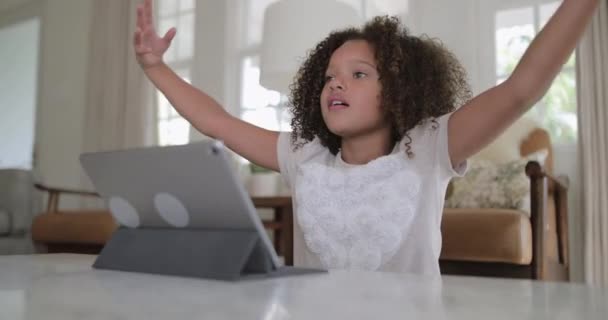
(479, 241)
(19, 202)
(509, 242)
(71, 231)
(87, 231)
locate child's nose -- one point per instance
(336, 83)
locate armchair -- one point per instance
(503, 242)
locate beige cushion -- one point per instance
(486, 235)
(491, 185)
(83, 227)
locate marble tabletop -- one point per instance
(63, 286)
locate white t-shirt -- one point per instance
(384, 215)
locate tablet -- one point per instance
(188, 186)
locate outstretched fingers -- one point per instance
(148, 18)
(140, 17)
(170, 35)
(144, 16)
(140, 48)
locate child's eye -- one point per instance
(328, 78)
(358, 75)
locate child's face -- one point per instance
(350, 100)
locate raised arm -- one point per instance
(203, 112)
(483, 118)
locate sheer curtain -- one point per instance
(119, 111)
(592, 72)
(119, 104)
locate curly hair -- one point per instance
(420, 79)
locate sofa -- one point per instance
(19, 203)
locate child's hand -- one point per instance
(149, 47)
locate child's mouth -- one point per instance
(337, 105)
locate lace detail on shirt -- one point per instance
(356, 218)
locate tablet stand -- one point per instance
(200, 253)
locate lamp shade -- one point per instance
(291, 29)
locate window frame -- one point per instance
(179, 64)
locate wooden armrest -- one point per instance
(67, 191)
(535, 170)
(54, 193)
(538, 191)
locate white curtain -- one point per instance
(119, 111)
(592, 72)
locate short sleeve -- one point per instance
(290, 158)
(286, 157)
(443, 153)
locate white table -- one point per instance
(66, 287)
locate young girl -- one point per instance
(375, 136)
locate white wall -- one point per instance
(457, 25)
(61, 82)
(6, 5)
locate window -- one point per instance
(18, 84)
(257, 105)
(515, 29)
(172, 128)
